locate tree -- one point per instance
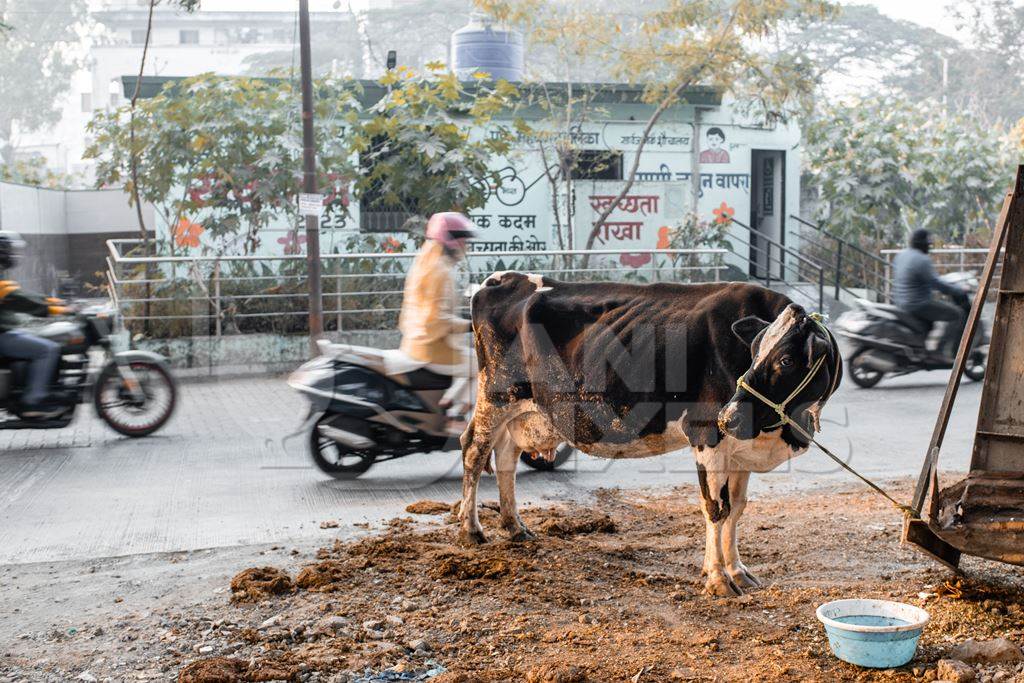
(991, 77)
(883, 166)
(985, 76)
(416, 148)
(220, 156)
(676, 45)
(859, 39)
(37, 61)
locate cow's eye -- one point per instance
(786, 361)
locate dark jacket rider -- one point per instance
(915, 280)
(43, 355)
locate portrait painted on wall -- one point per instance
(715, 153)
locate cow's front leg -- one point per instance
(506, 457)
(476, 450)
(734, 567)
(715, 504)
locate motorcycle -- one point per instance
(132, 391)
(889, 341)
(371, 405)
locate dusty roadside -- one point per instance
(610, 592)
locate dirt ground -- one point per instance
(609, 592)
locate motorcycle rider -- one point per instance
(428, 320)
(915, 280)
(43, 355)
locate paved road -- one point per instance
(218, 475)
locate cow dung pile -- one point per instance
(257, 583)
(613, 592)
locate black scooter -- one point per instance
(132, 391)
(889, 341)
(365, 409)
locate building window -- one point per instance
(138, 36)
(376, 214)
(596, 164)
(86, 102)
(115, 99)
(188, 37)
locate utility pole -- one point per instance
(311, 213)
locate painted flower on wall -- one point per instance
(664, 237)
(724, 214)
(635, 260)
(392, 245)
(292, 242)
(187, 233)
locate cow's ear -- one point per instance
(816, 347)
(748, 328)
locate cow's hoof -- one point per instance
(521, 535)
(721, 585)
(471, 538)
(744, 579)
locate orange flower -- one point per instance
(391, 245)
(187, 233)
(724, 214)
(663, 237)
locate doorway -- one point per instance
(767, 213)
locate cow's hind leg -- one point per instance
(506, 458)
(476, 451)
(735, 568)
(715, 504)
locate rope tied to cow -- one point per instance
(787, 421)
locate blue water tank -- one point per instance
(482, 46)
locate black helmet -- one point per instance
(11, 248)
(921, 239)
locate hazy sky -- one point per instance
(929, 13)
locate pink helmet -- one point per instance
(450, 228)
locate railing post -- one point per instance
(216, 299)
(839, 268)
(821, 288)
(337, 279)
(768, 265)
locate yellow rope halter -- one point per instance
(786, 420)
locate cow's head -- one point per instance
(784, 352)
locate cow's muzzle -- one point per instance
(736, 420)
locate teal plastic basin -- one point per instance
(873, 633)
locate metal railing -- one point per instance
(954, 260)
(215, 295)
(850, 267)
(771, 262)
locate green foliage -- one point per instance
(225, 152)
(34, 172)
(883, 166)
(417, 145)
(222, 156)
(37, 61)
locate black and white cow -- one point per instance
(626, 371)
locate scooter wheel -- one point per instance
(863, 376)
(562, 455)
(335, 459)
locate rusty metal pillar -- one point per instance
(983, 514)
